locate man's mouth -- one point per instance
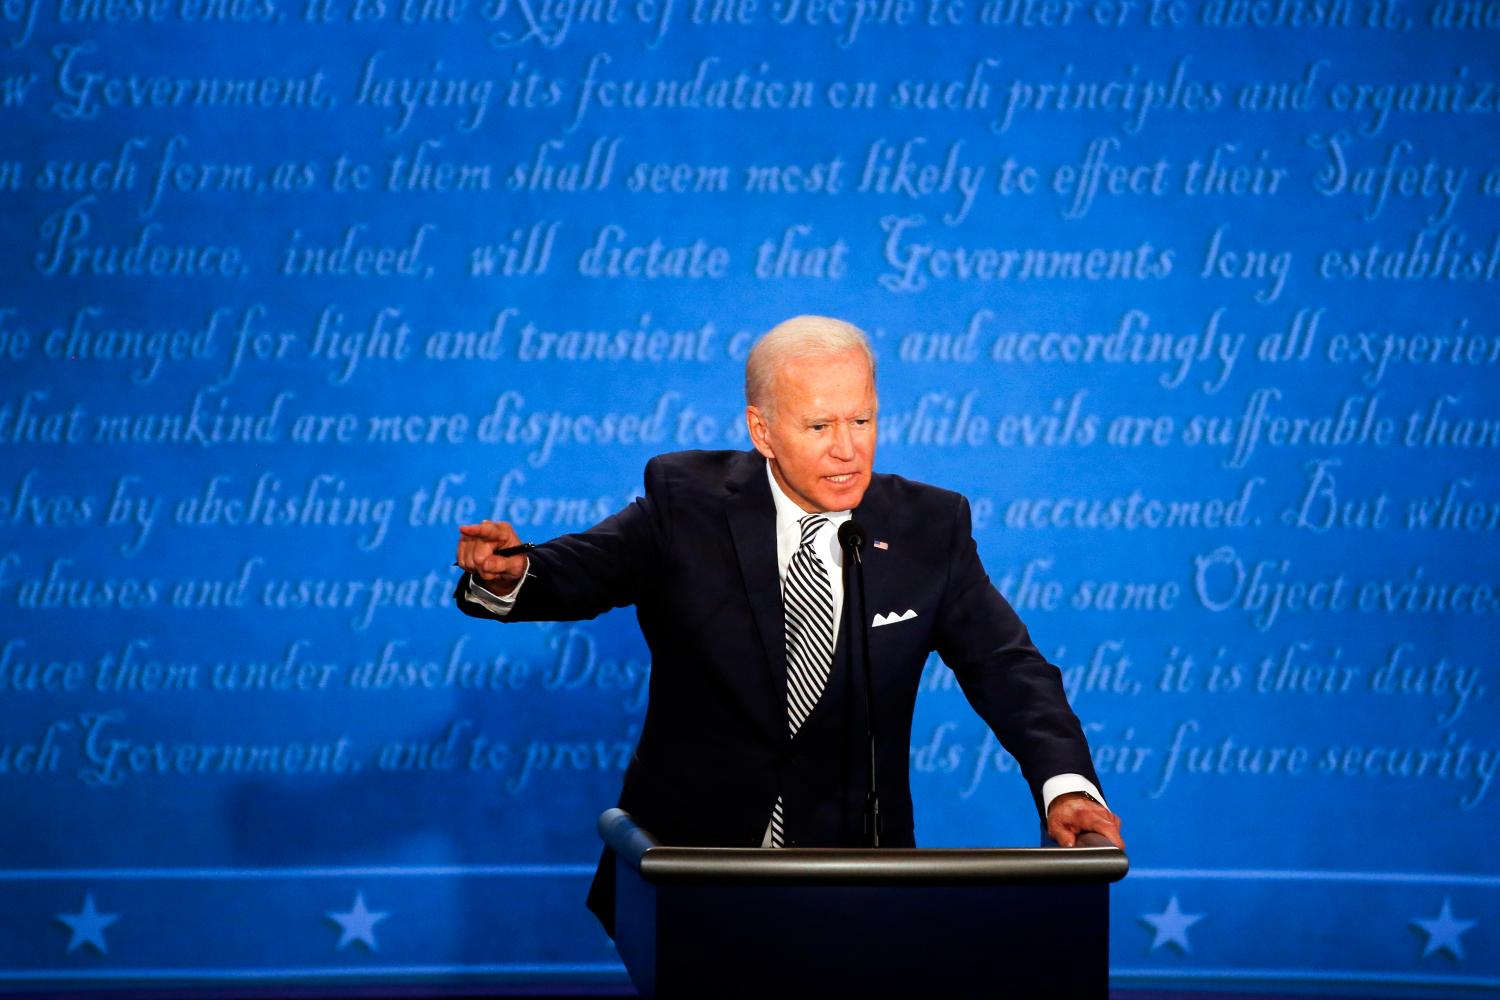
(841, 480)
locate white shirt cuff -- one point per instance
(1061, 784)
(494, 603)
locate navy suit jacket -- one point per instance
(696, 556)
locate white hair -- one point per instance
(794, 339)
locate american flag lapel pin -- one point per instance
(880, 545)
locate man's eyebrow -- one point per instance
(824, 418)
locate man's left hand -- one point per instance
(1073, 813)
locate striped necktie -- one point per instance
(807, 599)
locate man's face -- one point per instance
(820, 438)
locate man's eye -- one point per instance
(817, 427)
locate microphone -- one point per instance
(852, 539)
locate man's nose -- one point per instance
(843, 443)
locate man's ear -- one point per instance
(760, 431)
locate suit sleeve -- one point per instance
(1003, 675)
(582, 575)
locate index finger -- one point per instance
(493, 530)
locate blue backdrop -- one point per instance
(1192, 298)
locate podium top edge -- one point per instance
(858, 866)
(866, 866)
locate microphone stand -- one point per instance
(852, 537)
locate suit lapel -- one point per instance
(752, 525)
(874, 512)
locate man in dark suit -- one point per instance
(755, 730)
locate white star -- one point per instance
(1443, 932)
(1171, 926)
(88, 926)
(358, 924)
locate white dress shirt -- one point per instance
(825, 546)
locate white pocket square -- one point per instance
(892, 618)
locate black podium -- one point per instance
(708, 922)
